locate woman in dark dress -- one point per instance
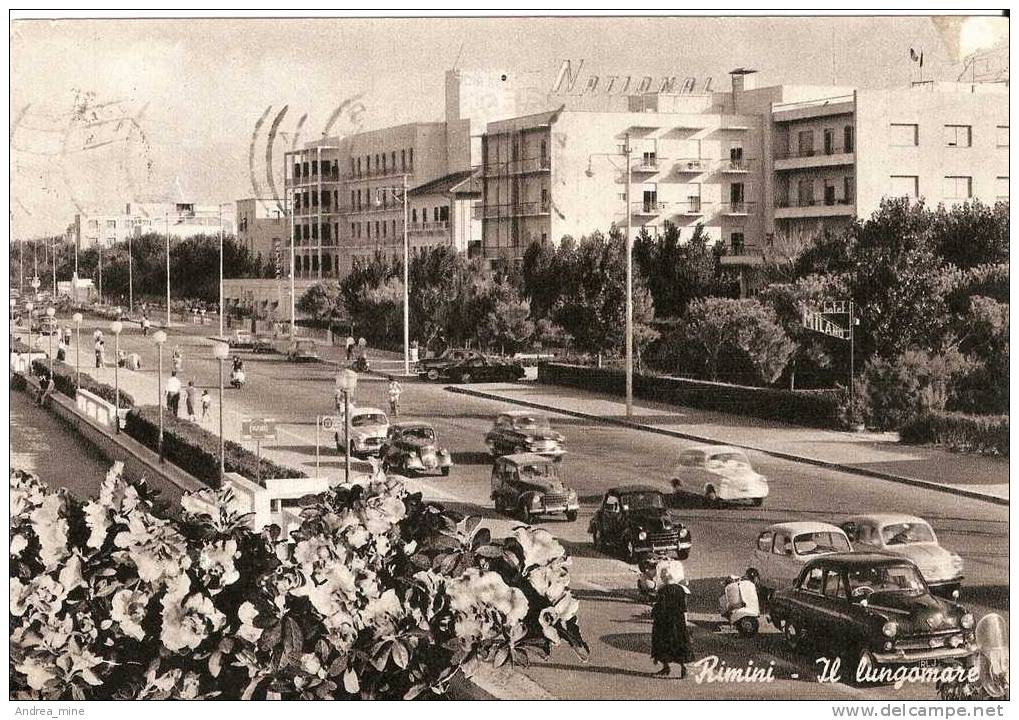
(670, 640)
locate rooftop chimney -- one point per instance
(741, 79)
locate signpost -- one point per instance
(258, 429)
(822, 322)
(329, 423)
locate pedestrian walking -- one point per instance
(67, 336)
(102, 353)
(99, 352)
(145, 325)
(61, 350)
(394, 393)
(177, 359)
(173, 394)
(350, 348)
(670, 638)
(191, 400)
(206, 403)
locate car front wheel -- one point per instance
(596, 539)
(465, 379)
(433, 375)
(525, 514)
(571, 515)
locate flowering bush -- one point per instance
(376, 595)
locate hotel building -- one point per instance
(181, 220)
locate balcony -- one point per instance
(316, 179)
(646, 165)
(811, 208)
(438, 227)
(647, 209)
(693, 207)
(737, 208)
(521, 166)
(524, 209)
(353, 177)
(810, 158)
(737, 167)
(690, 165)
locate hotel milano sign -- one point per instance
(570, 80)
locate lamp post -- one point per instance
(50, 312)
(77, 349)
(625, 152)
(13, 304)
(115, 327)
(160, 338)
(402, 192)
(29, 306)
(130, 277)
(166, 227)
(220, 350)
(346, 380)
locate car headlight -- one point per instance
(684, 533)
(890, 629)
(537, 501)
(966, 621)
(957, 562)
(956, 641)
(642, 535)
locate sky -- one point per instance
(109, 111)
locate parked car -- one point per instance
(262, 344)
(517, 431)
(413, 447)
(719, 473)
(872, 608)
(302, 350)
(434, 367)
(241, 339)
(45, 326)
(483, 369)
(909, 537)
(635, 518)
(529, 486)
(782, 550)
(369, 428)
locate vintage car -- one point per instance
(635, 518)
(302, 350)
(719, 473)
(872, 609)
(517, 431)
(483, 369)
(782, 550)
(369, 428)
(241, 339)
(910, 537)
(530, 485)
(434, 367)
(413, 447)
(262, 344)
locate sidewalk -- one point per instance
(878, 455)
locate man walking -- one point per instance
(173, 393)
(350, 348)
(192, 400)
(394, 396)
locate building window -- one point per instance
(736, 243)
(1001, 135)
(444, 210)
(958, 135)
(359, 167)
(1001, 188)
(384, 228)
(847, 139)
(410, 158)
(829, 192)
(393, 227)
(414, 215)
(805, 143)
(326, 231)
(376, 229)
(314, 199)
(111, 224)
(403, 159)
(905, 186)
(805, 193)
(314, 167)
(353, 230)
(958, 187)
(353, 167)
(314, 231)
(904, 134)
(304, 169)
(829, 141)
(847, 190)
(383, 162)
(392, 158)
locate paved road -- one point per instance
(615, 624)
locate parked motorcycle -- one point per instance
(739, 605)
(237, 379)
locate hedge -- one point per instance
(984, 434)
(63, 380)
(813, 408)
(195, 450)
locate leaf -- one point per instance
(293, 639)
(381, 658)
(501, 656)
(400, 654)
(271, 636)
(350, 682)
(414, 691)
(489, 551)
(249, 691)
(215, 665)
(482, 537)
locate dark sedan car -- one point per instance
(434, 367)
(483, 369)
(412, 447)
(872, 609)
(635, 518)
(518, 431)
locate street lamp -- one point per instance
(77, 349)
(50, 312)
(402, 192)
(221, 350)
(625, 153)
(13, 304)
(346, 382)
(160, 338)
(115, 327)
(31, 338)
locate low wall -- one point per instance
(812, 408)
(21, 362)
(98, 410)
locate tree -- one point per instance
(971, 234)
(508, 327)
(737, 340)
(676, 272)
(321, 301)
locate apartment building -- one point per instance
(262, 230)
(178, 219)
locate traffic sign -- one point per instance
(330, 422)
(819, 323)
(258, 429)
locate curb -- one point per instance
(852, 469)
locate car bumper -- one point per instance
(555, 452)
(437, 462)
(750, 492)
(556, 509)
(367, 447)
(907, 657)
(681, 547)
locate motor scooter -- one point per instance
(650, 575)
(739, 605)
(237, 379)
(361, 364)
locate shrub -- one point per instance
(18, 382)
(63, 381)
(984, 434)
(196, 450)
(379, 595)
(19, 347)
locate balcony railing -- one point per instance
(811, 152)
(812, 202)
(519, 166)
(378, 173)
(646, 165)
(690, 165)
(437, 227)
(736, 166)
(737, 207)
(693, 206)
(647, 208)
(492, 212)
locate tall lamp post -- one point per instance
(130, 277)
(221, 350)
(77, 349)
(50, 312)
(346, 380)
(166, 227)
(29, 306)
(401, 192)
(160, 337)
(625, 152)
(13, 304)
(115, 327)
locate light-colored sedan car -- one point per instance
(783, 549)
(368, 430)
(909, 537)
(719, 473)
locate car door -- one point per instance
(810, 596)
(832, 610)
(760, 557)
(611, 515)
(783, 566)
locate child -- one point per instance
(206, 403)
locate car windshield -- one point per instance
(885, 578)
(820, 543)
(538, 470)
(730, 459)
(531, 422)
(368, 419)
(907, 533)
(419, 433)
(643, 500)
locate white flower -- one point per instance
(539, 547)
(97, 519)
(51, 529)
(18, 545)
(247, 613)
(382, 512)
(189, 688)
(216, 561)
(357, 536)
(187, 621)
(37, 672)
(382, 613)
(128, 610)
(21, 595)
(159, 552)
(551, 581)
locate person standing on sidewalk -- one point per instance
(192, 400)
(177, 359)
(670, 638)
(99, 351)
(173, 393)
(145, 325)
(394, 392)
(206, 403)
(350, 348)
